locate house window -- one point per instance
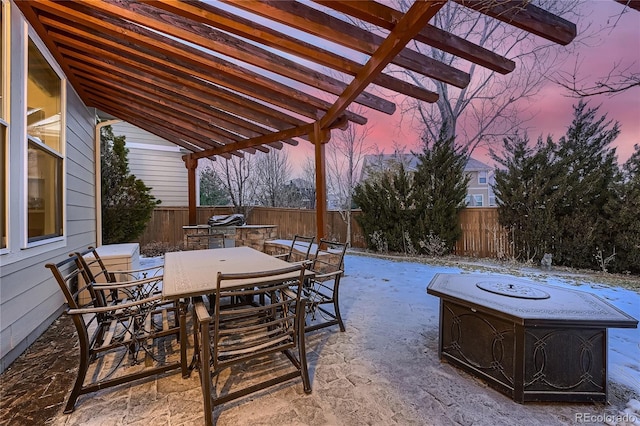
(492, 201)
(44, 151)
(482, 176)
(478, 200)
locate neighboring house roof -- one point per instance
(474, 165)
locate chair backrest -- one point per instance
(92, 267)
(67, 276)
(300, 248)
(329, 256)
(247, 329)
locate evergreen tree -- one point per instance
(561, 198)
(591, 173)
(126, 201)
(212, 192)
(526, 188)
(439, 191)
(385, 214)
(626, 217)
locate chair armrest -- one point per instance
(328, 274)
(124, 284)
(201, 312)
(133, 271)
(282, 255)
(111, 308)
(154, 272)
(307, 263)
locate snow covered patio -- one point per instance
(383, 370)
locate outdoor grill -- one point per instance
(530, 341)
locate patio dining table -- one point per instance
(194, 273)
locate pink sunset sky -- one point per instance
(552, 107)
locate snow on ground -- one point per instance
(623, 344)
(410, 279)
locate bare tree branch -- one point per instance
(346, 151)
(273, 171)
(489, 107)
(619, 79)
(237, 177)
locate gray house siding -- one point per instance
(30, 299)
(157, 163)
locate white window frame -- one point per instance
(482, 174)
(18, 247)
(478, 200)
(63, 145)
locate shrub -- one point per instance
(127, 203)
(159, 248)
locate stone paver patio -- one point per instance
(383, 370)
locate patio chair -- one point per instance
(322, 291)
(299, 249)
(94, 270)
(112, 331)
(251, 335)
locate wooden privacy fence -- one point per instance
(482, 236)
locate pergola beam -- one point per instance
(386, 17)
(411, 23)
(201, 64)
(312, 21)
(196, 66)
(211, 15)
(158, 121)
(144, 124)
(307, 129)
(226, 44)
(633, 4)
(524, 15)
(261, 140)
(180, 95)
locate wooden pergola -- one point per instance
(230, 81)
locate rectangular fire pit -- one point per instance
(530, 341)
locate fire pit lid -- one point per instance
(542, 305)
(511, 289)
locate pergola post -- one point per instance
(192, 165)
(319, 138)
